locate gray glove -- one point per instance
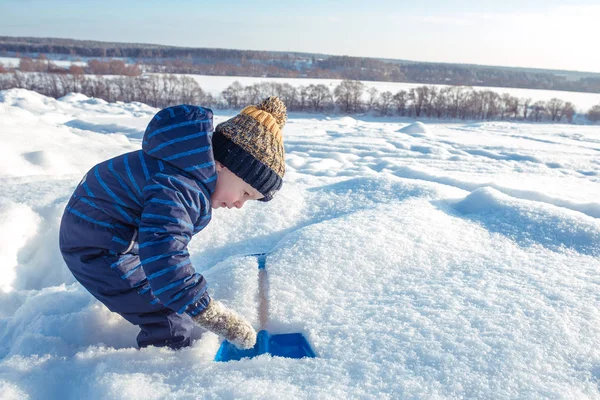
(227, 323)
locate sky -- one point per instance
(537, 34)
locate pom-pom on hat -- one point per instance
(251, 145)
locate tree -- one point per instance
(372, 99)
(385, 102)
(457, 97)
(554, 107)
(347, 95)
(568, 111)
(513, 107)
(400, 99)
(233, 94)
(252, 94)
(289, 96)
(594, 113)
(318, 96)
(538, 110)
(526, 103)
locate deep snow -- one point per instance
(449, 261)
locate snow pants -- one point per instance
(119, 282)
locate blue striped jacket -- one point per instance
(149, 203)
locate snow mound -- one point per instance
(416, 127)
(531, 223)
(51, 162)
(348, 121)
(74, 98)
(18, 223)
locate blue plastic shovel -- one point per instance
(290, 345)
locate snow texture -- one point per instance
(438, 261)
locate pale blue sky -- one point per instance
(525, 33)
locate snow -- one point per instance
(416, 129)
(437, 260)
(216, 84)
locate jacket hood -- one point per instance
(181, 136)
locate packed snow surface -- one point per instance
(449, 261)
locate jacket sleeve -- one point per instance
(172, 206)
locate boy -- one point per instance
(125, 230)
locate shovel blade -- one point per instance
(289, 345)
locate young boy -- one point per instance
(125, 230)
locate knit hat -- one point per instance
(251, 145)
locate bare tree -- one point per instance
(554, 107)
(526, 103)
(568, 111)
(372, 99)
(594, 113)
(456, 98)
(289, 96)
(347, 95)
(538, 110)
(233, 94)
(318, 96)
(302, 98)
(439, 104)
(191, 92)
(252, 94)
(400, 99)
(385, 102)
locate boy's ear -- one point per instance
(219, 166)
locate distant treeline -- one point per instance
(224, 62)
(349, 97)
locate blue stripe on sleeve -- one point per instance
(89, 219)
(170, 286)
(107, 189)
(167, 203)
(187, 185)
(169, 269)
(121, 260)
(144, 167)
(165, 255)
(123, 184)
(120, 241)
(190, 205)
(90, 203)
(195, 299)
(155, 242)
(130, 175)
(167, 218)
(88, 190)
(131, 271)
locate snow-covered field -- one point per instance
(426, 261)
(216, 84)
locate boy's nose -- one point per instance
(239, 203)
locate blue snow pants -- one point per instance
(123, 288)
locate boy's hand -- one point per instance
(225, 322)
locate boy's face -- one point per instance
(231, 190)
